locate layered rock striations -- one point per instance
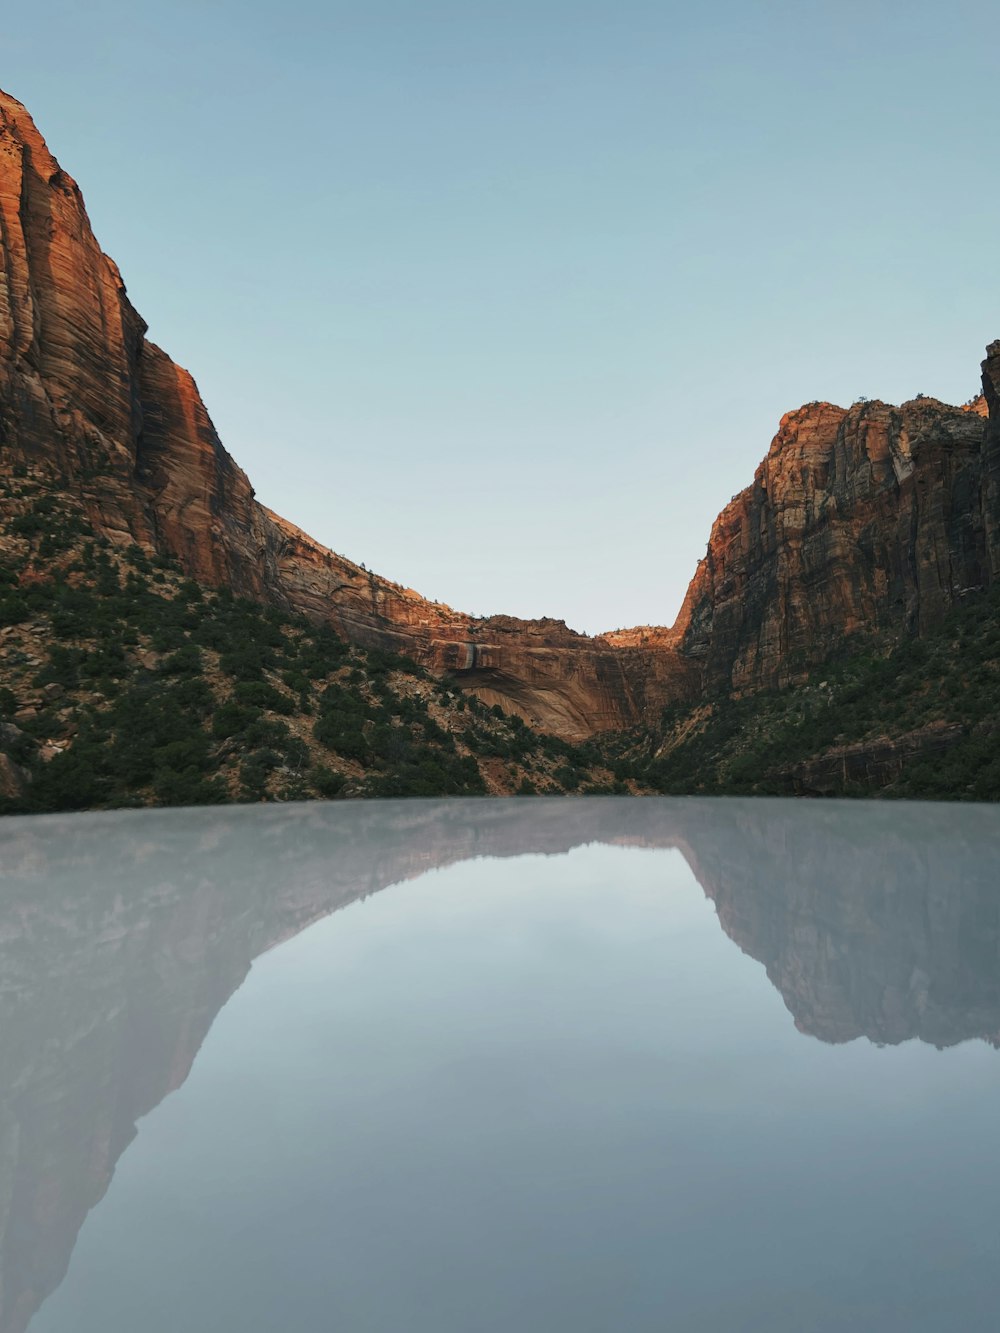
(87, 401)
(991, 458)
(863, 522)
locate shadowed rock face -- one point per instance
(122, 936)
(860, 522)
(88, 402)
(991, 457)
(866, 521)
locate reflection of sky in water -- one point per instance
(537, 1092)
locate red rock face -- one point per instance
(869, 521)
(88, 402)
(858, 523)
(991, 458)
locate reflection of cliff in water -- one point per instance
(878, 921)
(121, 938)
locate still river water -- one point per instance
(552, 1066)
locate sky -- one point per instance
(506, 299)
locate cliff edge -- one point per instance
(869, 521)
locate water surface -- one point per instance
(466, 1067)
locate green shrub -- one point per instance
(14, 609)
(233, 719)
(326, 782)
(186, 661)
(186, 787)
(259, 694)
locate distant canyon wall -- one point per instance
(88, 402)
(871, 520)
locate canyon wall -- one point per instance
(88, 403)
(991, 458)
(869, 521)
(866, 522)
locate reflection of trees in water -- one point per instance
(122, 936)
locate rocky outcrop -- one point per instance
(12, 777)
(991, 457)
(86, 401)
(861, 526)
(861, 523)
(872, 764)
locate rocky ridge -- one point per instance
(88, 402)
(866, 522)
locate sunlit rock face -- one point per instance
(88, 402)
(122, 936)
(860, 522)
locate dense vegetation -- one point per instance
(923, 720)
(123, 683)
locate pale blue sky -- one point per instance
(506, 299)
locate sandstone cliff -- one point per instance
(991, 458)
(86, 401)
(862, 522)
